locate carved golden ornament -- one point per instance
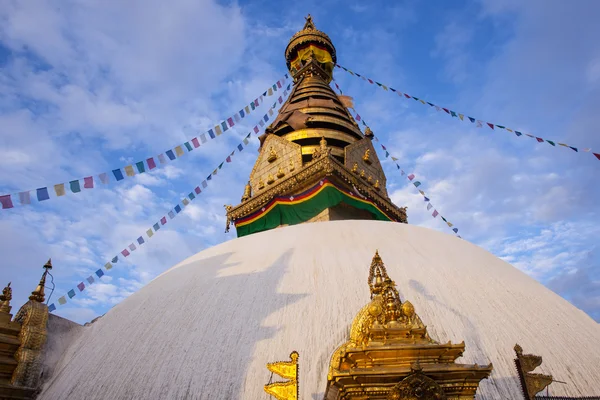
(261, 184)
(369, 132)
(33, 317)
(370, 179)
(367, 157)
(417, 386)
(272, 155)
(270, 179)
(287, 390)
(530, 383)
(228, 217)
(292, 165)
(376, 186)
(363, 174)
(280, 172)
(355, 168)
(5, 298)
(247, 192)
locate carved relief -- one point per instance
(33, 317)
(276, 156)
(363, 155)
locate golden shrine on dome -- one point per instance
(314, 163)
(390, 355)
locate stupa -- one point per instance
(301, 281)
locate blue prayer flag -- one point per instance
(71, 293)
(211, 133)
(42, 194)
(156, 226)
(51, 307)
(192, 196)
(140, 240)
(118, 174)
(115, 259)
(177, 208)
(240, 147)
(170, 154)
(100, 273)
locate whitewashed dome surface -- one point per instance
(205, 328)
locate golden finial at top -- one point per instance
(309, 25)
(38, 294)
(5, 298)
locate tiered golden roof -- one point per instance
(390, 355)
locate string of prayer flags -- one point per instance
(410, 177)
(24, 198)
(150, 232)
(478, 123)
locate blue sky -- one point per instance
(91, 86)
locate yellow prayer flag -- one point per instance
(185, 202)
(422, 102)
(247, 109)
(564, 145)
(449, 224)
(270, 111)
(218, 130)
(270, 92)
(422, 192)
(60, 189)
(108, 266)
(129, 170)
(385, 88)
(461, 116)
(150, 232)
(178, 151)
(215, 171)
(508, 129)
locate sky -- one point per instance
(87, 87)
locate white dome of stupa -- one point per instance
(205, 328)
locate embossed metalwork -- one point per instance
(247, 192)
(389, 349)
(5, 298)
(287, 390)
(366, 158)
(272, 155)
(280, 173)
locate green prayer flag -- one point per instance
(140, 166)
(189, 146)
(75, 188)
(551, 142)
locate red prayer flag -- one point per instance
(407, 96)
(163, 220)
(255, 129)
(230, 121)
(539, 139)
(435, 213)
(228, 159)
(256, 102)
(195, 142)
(370, 81)
(383, 147)
(597, 155)
(490, 125)
(88, 182)
(197, 190)
(445, 109)
(411, 177)
(357, 117)
(151, 163)
(125, 252)
(6, 201)
(279, 84)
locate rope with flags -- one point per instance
(174, 212)
(410, 177)
(478, 123)
(118, 174)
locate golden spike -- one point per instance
(38, 294)
(5, 298)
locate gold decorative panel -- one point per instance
(275, 159)
(361, 158)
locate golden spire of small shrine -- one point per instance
(38, 294)
(5, 298)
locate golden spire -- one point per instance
(247, 192)
(38, 294)
(5, 298)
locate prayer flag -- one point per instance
(551, 142)
(429, 206)
(100, 273)
(270, 91)
(387, 154)
(150, 232)
(90, 278)
(228, 159)
(24, 198)
(224, 126)
(252, 105)
(384, 87)
(445, 109)
(444, 219)
(394, 158)
(129, 170)
(177, 208)
(230, 122)
(411, 177)
(261, 122)
(59, 189)
(501, 127)
(203, 138)
(237, 118)
(479, 125)
(518, 133)
(81, 286)
(118, 174)
(6, 201)
(358, 117)
(597, 155)
(170, 154)
(255, 129)
(115, 259)
(188, 146)
(271, 111)
(417, 183)
(171, 214)
(156, 226)
(508, 129)
(88, 182)
(540, 140)
(280, 100)
(103, 178)
(247, 108)
(422, 192)
(461, 116)
(397, 166)
(151, 163)
(62, 300)
(71, 293)
(425, 198)
(192, 196)
(140, 167)
(163, 220)
(218, 130)
(132, 247)
(162, 159)
(209, 177)
(140, 240)
(573, 148)
(51, 307)
(490, 125)
(195, 142)
(108, 266)
(450, 225)
(179, 151)
(435, 213)
(471, 119)
(197, 190)
(279, 84)
(204, 184)
(402, 173)
(75, 186)
(455, 230)
(240, 148)
(453, 114)
(211, 133)
(185, 202)
(370, 81)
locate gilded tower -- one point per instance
(314, 163)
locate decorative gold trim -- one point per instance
(272, 155)
(310, 133)
(270, 179)
(309, 150)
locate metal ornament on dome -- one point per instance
(310, 43)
